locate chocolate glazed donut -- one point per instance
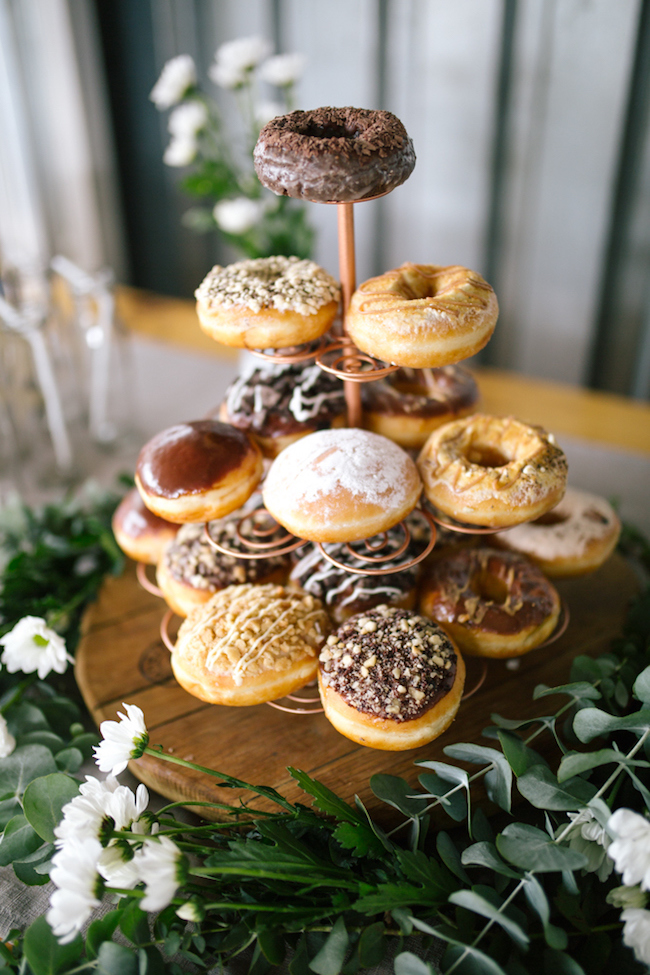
(333, 155)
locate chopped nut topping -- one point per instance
(282, 283)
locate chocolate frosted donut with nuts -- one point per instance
(390, 679)
(334, 154)
(250, 644)
(278, 404)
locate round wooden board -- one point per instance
(121, 658)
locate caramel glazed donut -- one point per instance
(250, 644)
(278, 404)
(333, 155)
(390, 679)
(573, 538)
(267, 303)
(492, 603)
(492, 471)
(422, 315)
(406, 408)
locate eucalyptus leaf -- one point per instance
(330, 959)
(114, 959)
(23, 765)
(26, 869)
(398, 793)
(44, 799)
(69, 759)
(272, 945)
(406, 963)
(518, 755)
(485, 855)
(498, 780)
(492, 908)
(540, 787)
(641, 686)
(590, 723)
(19, 840)
(47, 738)
(372, 945)
(575, 763)
(101, 930)
(474, 962)
(536, 897)
(454, 804)
(450, 856)
(532, 849)
(44, 953)
(559, 963)
(580, 690)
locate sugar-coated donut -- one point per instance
(334, 154)
(278, 404)
(198, 471)
(390, 679)
(250, 644)
(492, 603)
(347, 593)
(191, 570)
(341, 485)
(574, 537)
(406, 408)
(422, 315)
(267, 302)
(492, 471)
(140, 534)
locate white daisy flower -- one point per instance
(124, 740)
(283, 70)
(627, 897)
(7, 740)
(588, 837)
(239, 215)
(226, 76)
(118, 866)
(188, 119)
(243, 53)
(162, 867)
(636, 932)
(33, 647)
(79, 886)
(180, 152)
(176, 77)
(190, 911)
(630, 850)
(101, 805)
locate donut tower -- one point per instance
(347, 487)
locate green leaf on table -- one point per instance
(485, 854)
(44, 953)
(590, 723)
(533, 849)
(19, 840)
(397, 792)
(330, 959)
(101, 930)
(498, 781)
(540, 787)
(25, 718)
(518, 755)
(324, 799)
(575, 763)
(535, 895)
(406, 963)
(134, 924)
(23, 765)
(114, 959)
(69, 759)
(579, 690)
(8, 809)
(455, 805)
(26, 869)
(559, 963)
(47, 738)
(61, 713)
(272, 945)
(641, 686)
(44, 799)
(486, 902)
(474, 962)
(450, 856)
(372, 945)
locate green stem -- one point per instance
(18, 693)
(291, 877)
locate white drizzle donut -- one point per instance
(575, 537)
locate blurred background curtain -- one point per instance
(529, 119)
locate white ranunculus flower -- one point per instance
(180, 151)
(188, 119)
(587, 836)
(243, 53)
(238, 216)
(162, 867)
(283, 69)
(79, 886)
(123, 740)
(265, 111)
(636, 932)
(176, 77)
(32, 646)
(7, 740)
(630, 850)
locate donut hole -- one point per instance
(489, 587)
(486, 455)
(331, 130)
(411, 389)
(551, 518)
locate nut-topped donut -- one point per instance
(492, 603)
(250, 644)
(334, 154)
(267, 302)
(341, 486)
(390, 679)
(406, 408)
(198, 471)
(140, 534)
(422, 315)
(492, 471)
(278, 404)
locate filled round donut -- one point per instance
(422, 315)
(492, 603)
(278, 404)
(492, 471)
(267, 302)
(573, 538)
(344, 593)
(410, 404)
(390, 679)
(341, 485)
(334, 154)
(250, 644)
(191, 570)
(198, 471)
(140, 534)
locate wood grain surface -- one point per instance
(121, 658)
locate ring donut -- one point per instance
(333, 154)
(422, 315)
(492, 471)
(492, 603)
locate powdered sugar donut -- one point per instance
(575, 537)
(341, 485)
